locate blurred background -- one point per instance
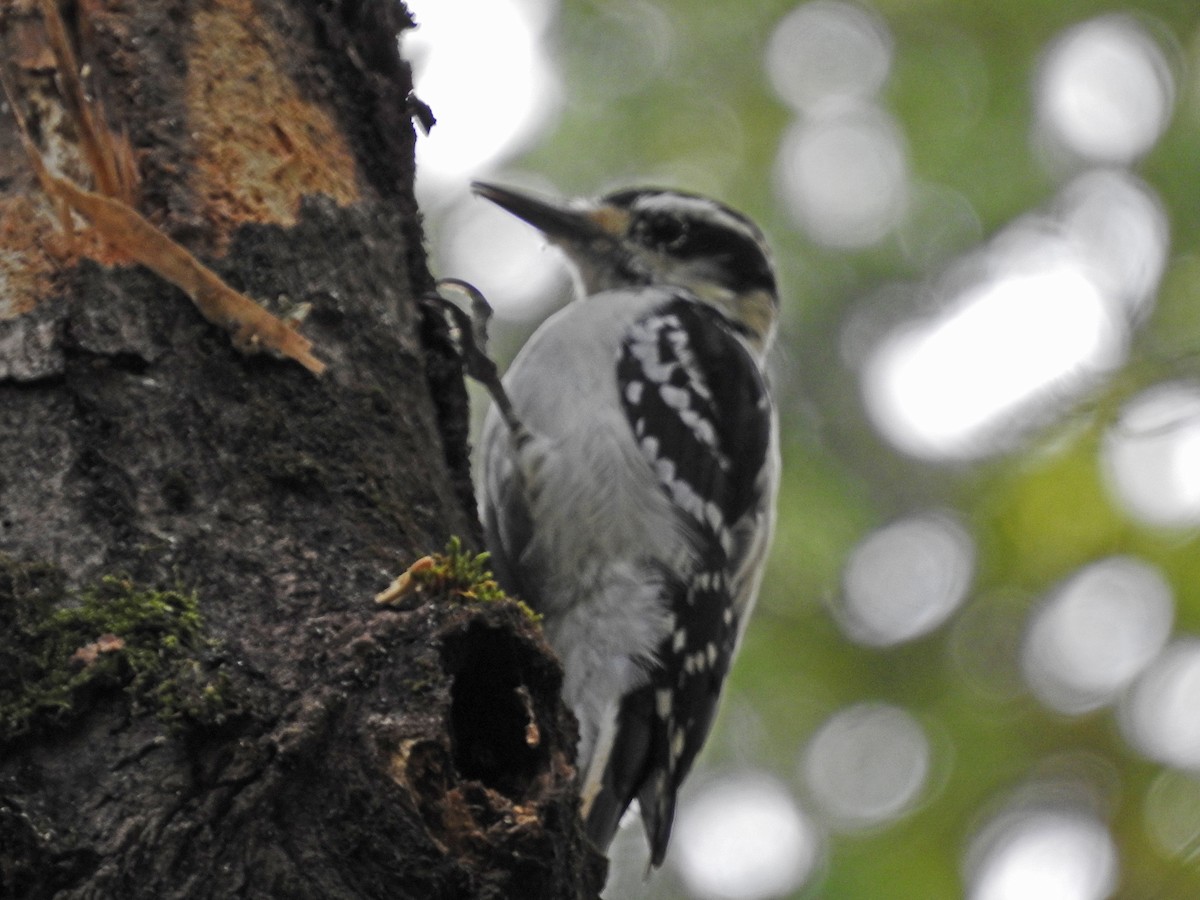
(975, 668)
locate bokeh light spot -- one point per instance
(905, 579)
(826, 52)
(482, 68)
(844, 177)
(1042, 854)
(1022, 327)
(1121, 234)
(1159, 714)
(626, 46)
(950, 387)
(1172, 811)
(742, 838)
(1094, 635)
(866, 765)
(1106, 90)
(1048, 310)
(1152, 456)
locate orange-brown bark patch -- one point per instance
(27, 264)
(260, 145)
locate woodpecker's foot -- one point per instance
(470, 333)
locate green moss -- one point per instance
(58, 647)
(457, 573)
(467, 575)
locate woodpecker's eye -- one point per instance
(662, 232)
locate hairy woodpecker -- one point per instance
(631, 500)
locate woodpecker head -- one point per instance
(644, 236)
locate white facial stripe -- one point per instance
(699, 208)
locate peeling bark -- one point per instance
(337, 750)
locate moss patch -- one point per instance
(458, 574)
(58, 648)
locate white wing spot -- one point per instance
(716, 519)
(665, 469)
(685, 497)
(676, 745)
(675, 397)
(662, 703)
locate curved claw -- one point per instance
(471, 332)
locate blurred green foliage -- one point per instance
(686, 101)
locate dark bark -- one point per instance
(289, 738)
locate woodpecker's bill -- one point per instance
(633, 504)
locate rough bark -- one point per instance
(198, 697)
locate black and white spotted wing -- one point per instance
(700, 412)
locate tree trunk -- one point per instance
(198, 697)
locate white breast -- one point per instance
(601, 518)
